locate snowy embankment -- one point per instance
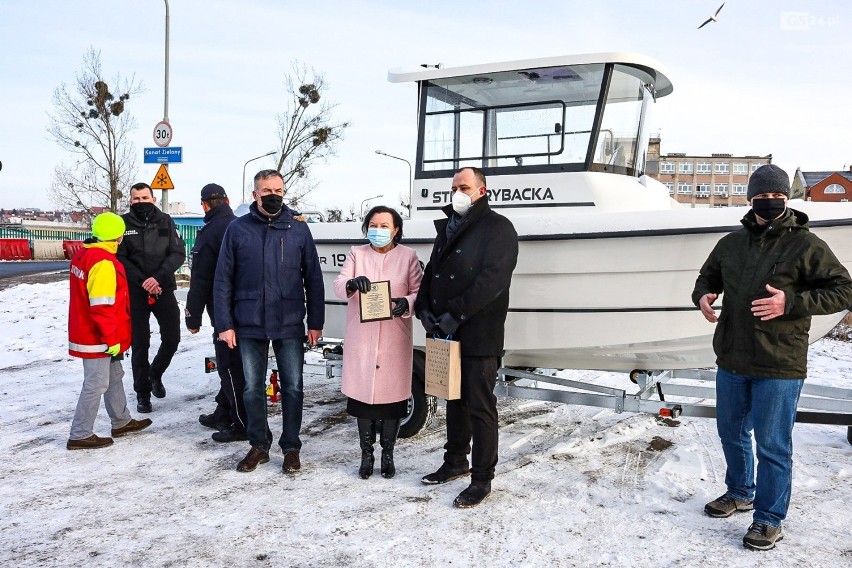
(576, 486)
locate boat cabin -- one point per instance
(527, 123)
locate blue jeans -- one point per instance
(767, 407)
(289, 358)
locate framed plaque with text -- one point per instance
(376, 304)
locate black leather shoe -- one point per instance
(475, 494)
(445, 473)
(211, 421)
(157, 388)
(144, 405)
(231, 434)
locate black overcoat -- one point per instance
(469, 277)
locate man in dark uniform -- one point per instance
(151, 252)
(465, 293)
(230, 414)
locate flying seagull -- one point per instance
(713, 17)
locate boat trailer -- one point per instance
(688, 392)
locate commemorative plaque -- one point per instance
(376, 304)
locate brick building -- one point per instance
(714, 180)
(823, 186)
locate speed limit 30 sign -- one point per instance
(162, 134)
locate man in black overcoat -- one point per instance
(465, 294)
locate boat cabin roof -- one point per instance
(654, 69)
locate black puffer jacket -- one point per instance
(469, 277)
(787, 256)
(204, 255)
(151, 247)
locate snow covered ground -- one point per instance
(575, 486)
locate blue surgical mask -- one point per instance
(379, 237)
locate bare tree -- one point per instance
(333, 215)
(306, 131)
(93, 124)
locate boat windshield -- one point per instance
(582, 117)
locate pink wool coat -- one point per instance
(377, 356)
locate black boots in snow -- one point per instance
(388, 430)
(366, 437)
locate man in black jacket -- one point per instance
(151, 252)
(230, 414)
(465, 293)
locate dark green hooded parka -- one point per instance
(787, 256)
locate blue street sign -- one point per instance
(168, 155)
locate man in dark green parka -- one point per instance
(775, 274)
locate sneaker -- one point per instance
(762, 537)
(211, 421)
(231, 434)
(143, 405)
(132, 426)
(254, 458)
(475, 494)
(725, 506)
(291, 462)
(445, 473)
(157, 388)
(90, 443)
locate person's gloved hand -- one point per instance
(448, 323)
(429, 321)
(360, 283)
(113, 350)
(400, 307)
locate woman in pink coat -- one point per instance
(378, 355)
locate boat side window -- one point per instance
(536, 118)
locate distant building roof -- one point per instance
(813, 178)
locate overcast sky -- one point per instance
(768, 77)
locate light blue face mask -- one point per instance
(379, 237)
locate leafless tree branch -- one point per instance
(93, 124)
(307, 134)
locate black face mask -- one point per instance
(142, 209)
(768, 208)
(272, 203)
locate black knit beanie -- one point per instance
(768, 178)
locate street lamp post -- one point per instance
(361, 209)
(244, 172)
(165, 192)
(410, 176)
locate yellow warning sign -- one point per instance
(162, 179)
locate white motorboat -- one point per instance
(607, 259)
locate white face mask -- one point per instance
(461, 202)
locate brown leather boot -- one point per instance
(132, 426)
(254, 458)
(90, 443)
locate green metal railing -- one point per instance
(187, 233)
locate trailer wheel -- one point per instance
(634, 375)
(849, 434)
(421, 407)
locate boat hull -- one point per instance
(613, 299)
